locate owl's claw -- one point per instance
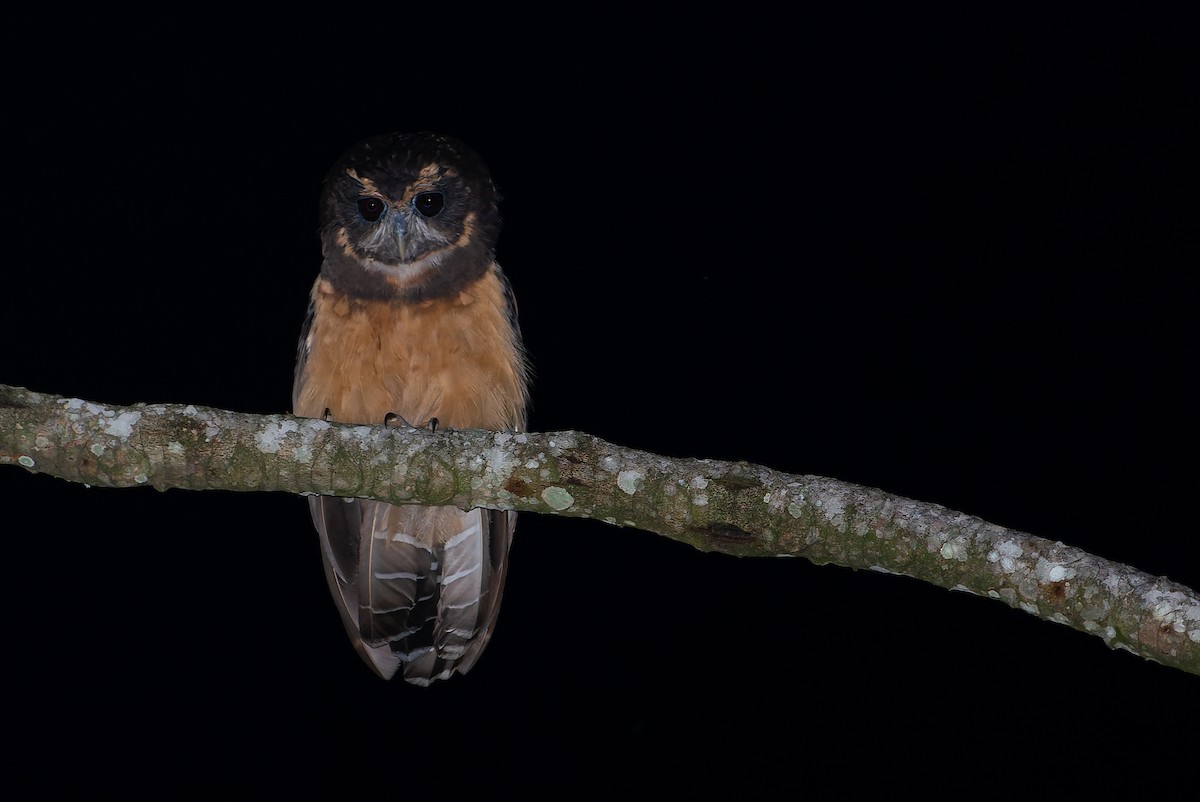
(325, 416)
(394, 421)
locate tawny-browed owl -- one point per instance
(411, 315)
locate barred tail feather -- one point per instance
(418, 587)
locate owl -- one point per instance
(411, 316)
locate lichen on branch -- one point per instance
(731, 507)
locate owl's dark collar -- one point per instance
(440, 275)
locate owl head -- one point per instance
(405, 210)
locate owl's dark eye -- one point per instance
(429, 203)
(370, 208)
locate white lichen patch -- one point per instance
(85, 408)
(557, 444)
(954, 550)
(377, 447)
(310, 429)
(175, 448)
(608, 463)
(833, 506)
(629, 480)
(27, 461)
(1050, 571)
(1176, 610)
(794, 509)
(698, 482)
(700, 499)
(557, 498)
(96, 449)
(1006, 554)
(270, 438)
(141, 479)
(520, 437)
(122, 424)
(775, 499)
(500, 438)
(499, 462)
(1112, 583)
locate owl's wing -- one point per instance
(303, 347)
(418, 588)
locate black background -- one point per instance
(931, 256)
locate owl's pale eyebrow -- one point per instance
(367, 184)
(430, 172)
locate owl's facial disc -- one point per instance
(400, 232)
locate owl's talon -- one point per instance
(433, 424)
(394, 421)
(325, 416)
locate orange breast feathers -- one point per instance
(457, 359)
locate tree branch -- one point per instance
(731, 507)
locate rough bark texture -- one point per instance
(735, 508)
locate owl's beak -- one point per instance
(400, 235)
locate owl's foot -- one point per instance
(394, 421)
